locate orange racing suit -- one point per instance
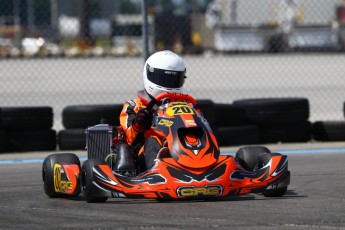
(135, 137)
(146, 142)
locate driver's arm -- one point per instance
(126, 119)
(133, 119)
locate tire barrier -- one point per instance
(329, 130)
(76, 118)
(232, 126)
(239, 135)
(72, 139)
(243, 122)
(286, 133)
(31, 140)
(26, 129)
(275, 110)
(3, 140)
(26, 117)
(279, 119)
(230, 115)
(82, 116)
(207, 108)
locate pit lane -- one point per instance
(314, 199)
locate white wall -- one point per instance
(261, 11)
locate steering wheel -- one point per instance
(172, 97)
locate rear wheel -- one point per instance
(86, 181)
(48, 171)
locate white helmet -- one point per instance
(164, 71)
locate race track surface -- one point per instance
(314, 200)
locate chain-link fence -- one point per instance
(61, 53)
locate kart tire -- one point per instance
(207, 108)
(215, 131)
(3, 140)
(262, 161)
(83, 116)
(48, 171)
(275, 192)
(26, 117)
(72, 139)
(248, 156)
(275, 110)
(31, 140)
(230, 115)
(329, 131)
(86, 181)
(239, 135)
(286, 133)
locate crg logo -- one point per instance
(192, 191)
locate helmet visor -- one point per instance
(165, 78)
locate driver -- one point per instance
(164, 71)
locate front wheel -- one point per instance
(255, 157)
(248, 156)
(86, 181)
(49, 162)
(275, 192)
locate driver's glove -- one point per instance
(142, 120)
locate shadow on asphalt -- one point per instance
(290, 194)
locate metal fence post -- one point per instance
(145, 30)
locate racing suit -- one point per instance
(146, 144)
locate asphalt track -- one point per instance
(314, 200)
(315, 197)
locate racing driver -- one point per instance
(164, 71)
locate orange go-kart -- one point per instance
(189, 165)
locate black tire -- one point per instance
(86, 181)
(207, 108)
(262, 161)
(275, 192)
(26, 117)
(255, 157)
(215, 131)
(230, 115)
(48, 171)
(275, 110)
(72, 139)
(83, 116)
(31, 140)
(3, 141)
(329, 130)
(239, 135)
(286, 133)
(248, 156)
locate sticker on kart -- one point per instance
(192, 191)
(179, 110)
(59, 184)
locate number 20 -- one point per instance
(182, 110)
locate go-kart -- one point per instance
(189, 165)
